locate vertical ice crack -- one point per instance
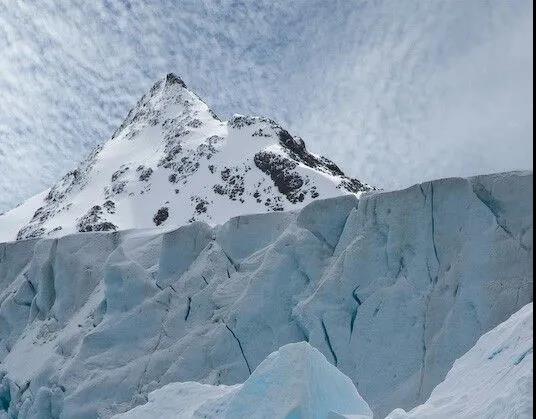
(401, 266)
(433, 281)
(424, 346)
(240, 346)
(422, 191)
(188, 308)
(432, 211)
(354, 312)
(328, 341)
(30, 284)
(432, 231)
(231, 261)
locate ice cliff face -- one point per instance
(494, 379)
(171, 162)
(391, 288)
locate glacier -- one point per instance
(391, 287)
(296, 381)
(494, 379)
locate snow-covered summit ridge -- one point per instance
(173, 161)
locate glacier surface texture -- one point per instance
(494, 379)
(391, 288)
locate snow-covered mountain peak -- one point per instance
(172, 79)
(173, 161)
(168, 104)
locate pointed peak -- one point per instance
(172, 79)
(166, 84)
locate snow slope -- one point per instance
(296, 381)
(172, 161)
(493, 380)
(392, 288)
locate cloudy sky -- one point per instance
(395, 91)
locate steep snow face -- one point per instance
(493, 380)
(296, 381)
(391, 288)
(171, 162)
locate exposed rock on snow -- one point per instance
(172, 161)
(391, 288)
(493, 380)
(295, 382)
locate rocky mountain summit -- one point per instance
(173, 161)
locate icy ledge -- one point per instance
(296, 381)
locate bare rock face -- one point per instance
(161, 215)
(172, 151)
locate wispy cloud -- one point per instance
(396, 92)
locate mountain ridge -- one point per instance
(172, 148)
